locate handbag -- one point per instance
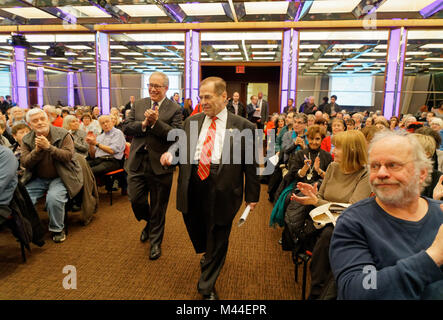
(327, 213)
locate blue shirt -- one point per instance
(366, 235)
(115, 139)
(8, 175)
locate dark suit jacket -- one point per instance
(264, 111)
(231, 177)
(241, 108)
(155, 138)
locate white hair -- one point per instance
(437, 121)
(33, 112)
(420, 159)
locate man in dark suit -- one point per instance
(149, 122)
(210, 183)
(235, 106)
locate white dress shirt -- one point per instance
(220, 129)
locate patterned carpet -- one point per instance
(111, 262)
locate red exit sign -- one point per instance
(240, 69)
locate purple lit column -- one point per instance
(394, 71)
(70, 89)
(188, 50)
(195, 66)
(41, 84)
(294, 65)
(103, 72)
(285, 63)
(20, 77)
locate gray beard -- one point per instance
(403, 197)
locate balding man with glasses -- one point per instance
(149, 122)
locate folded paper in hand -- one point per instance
(244, 216)
(327, 213)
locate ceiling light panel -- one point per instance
(344, 35)
(225, 46)
(129, 53)
(266, 46)
(203, 9)
(267, 53)
(333, 6)
(229, 53)
(403, 5)
(433, 46)
(29, 13)
(79, 47)
(274, 7)
(158, 36)
(142, 10)
(233, 36)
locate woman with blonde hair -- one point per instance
(346, 181)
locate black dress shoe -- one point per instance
(144, 235)
(156, 252)
(211, 296)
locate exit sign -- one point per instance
(240, 69)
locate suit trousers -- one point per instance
(205, 235)
(146, 184)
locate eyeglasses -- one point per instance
(390, 166)
(155, 86)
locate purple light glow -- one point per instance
(285, 69)
(102, 66)
(41, 84)
(294, 65)
(21, 77)
(394, 72)
(188, 65)
(70, 89)
(195, 66)
(431, 9)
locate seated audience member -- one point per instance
(187, 108)
(429, 117)
(346, 181)
(437, 157)
(95, 113)
(309, 107)
(17, 116)
(65, 112)
(358, 118)
(393, 123)
(350, 124)
(326, 144)
(310, 164)
(280, 130)
(307, 165)
(290, 107)
(369, 133)
(311, 120)
(3, 140)
(53, 116)
(429, 147)
(107, 149)
(8, 177)
(88, 125)
(381, 123)
(116, 122)
(295, 139)
(18, 132)
(50, 168)
(322, 106)
(323, 123)
(369, 122)
(72, 124)
(391, 246)
(437, 125)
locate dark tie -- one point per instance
(155, 106)
(206, 154)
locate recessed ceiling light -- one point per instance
(225, 46)
(203, 9)
(417, 53)
(229, 53)
(263, 58)
(149, 10)
(404, 5)
(206, 59)
(268, 53)
(265, 46)
(85, 58)
(131, 53)
(232, 58)
(305, 53)
(336, 6)
(432, 46)
(258, 8)
(78, 47)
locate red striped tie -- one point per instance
(206, 154)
